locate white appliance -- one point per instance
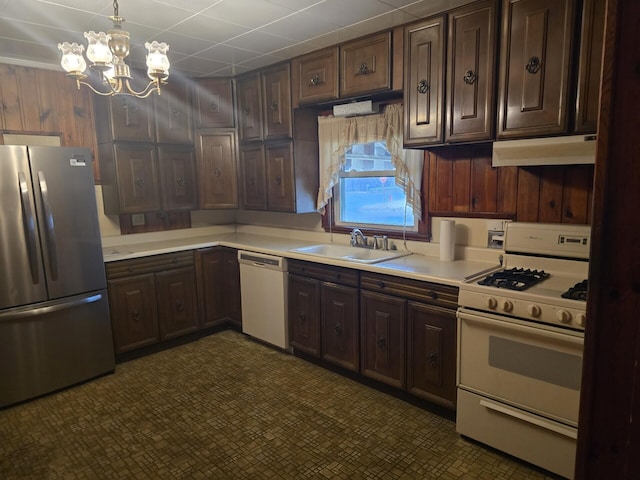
(263, 287)
(520, 346)
(568, 150)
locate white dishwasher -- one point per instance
(263, 287)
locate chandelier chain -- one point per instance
(115, 8)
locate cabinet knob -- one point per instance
(213, 106)
(364, 68)
(278, 180)
(181, 181)
(337, 276)
(139, 181)
(136, 315)
(217, 172)
(381, 342)
(302, 317)
(433, 295)
(423, 86)
(381, 284)
(533, 66)
(180, 306)
(432, 358)
(175, 112)
(274, 106)
(338, 329)
(314, 80)
(469, 77)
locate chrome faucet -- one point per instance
(355, 234)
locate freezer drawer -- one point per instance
(542, 442)
(52, 345)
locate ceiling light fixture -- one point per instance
(107, 52)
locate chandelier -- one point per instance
(107, 52)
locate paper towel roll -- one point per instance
(447, 240)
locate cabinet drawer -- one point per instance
(155, 263)
(343, 276)
(431, 293)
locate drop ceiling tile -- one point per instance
(426, 9)
(196, 64)
(182, 43)
(39, 13)
(209, 29)
(262, 61)
(227, 54)
(384, 22)
(260, 42)
(29, 51)
(347, 13)
(296, 5)
(152, 14)
(250, 13)
(301, 26)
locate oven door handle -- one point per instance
(514, 325)
(526, 417)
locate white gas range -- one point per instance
(520, 343)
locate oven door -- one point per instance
(534, 367)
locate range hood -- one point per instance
(569, 150)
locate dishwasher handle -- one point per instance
(261, 260)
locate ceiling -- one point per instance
(206, 37)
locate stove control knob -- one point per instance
(581, 319)
(563, 316)
(534, 310)
(491, 302)
(507, 306)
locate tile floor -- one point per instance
(225, 407)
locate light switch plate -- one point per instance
(137, 219)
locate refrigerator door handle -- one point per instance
(30, 313)
(51, 232)
(29, 221)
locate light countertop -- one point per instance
(414, 266)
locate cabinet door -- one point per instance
(470, 73)
(592, 42)
(535, 64)
(424, 82)
(173, 114)
(314, 77)
(131, 119)
(177, 304)
(211, 265)
(214, 103)
(231, 282)
(250, 108)
(217, 176)
(382, 320)
(339, 322)
(431, 340)
(137, 178)
(281, 191)
(252, 168)
(365, 65)
(178, 177)
(276, 88)
(304, 314)
(134, 316)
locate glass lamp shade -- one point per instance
(98, 51)
(157, 60)
(72, 60)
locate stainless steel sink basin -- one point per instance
(351, 254)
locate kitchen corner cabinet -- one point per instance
(424, 62)
(323, 312)
(314, 77)
(535, 67)
(218, 274)
(409, 334)
(365, 65)
(213, 103)
(470, 86)
(217, 172)
(151, 299)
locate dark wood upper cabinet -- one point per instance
(250, 108)
(173, 120)
(365, 65)
(281, 188)
(590, 64)
(124, 118)
(252, 177)
(217, 174)
(535, 67)
(276, 91)
(424, 81)
(471, 73)
(178, 177)
(213, 103)
(314, 77)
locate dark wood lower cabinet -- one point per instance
(339, 323)
(383, 320)
(431, 356)
(177, 302)
(304, 314)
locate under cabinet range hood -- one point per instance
(569, 150)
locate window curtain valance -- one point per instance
(337, 134)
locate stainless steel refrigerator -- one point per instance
(55, 329)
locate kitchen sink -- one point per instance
(351, 254)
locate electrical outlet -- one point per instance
(137, 219)
(495, 239)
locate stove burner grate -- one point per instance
(514, 278)
(577, 292)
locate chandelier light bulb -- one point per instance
(98, 51)
(72, 60)
(157, 60)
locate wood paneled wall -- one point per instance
(462, 182)
(36, 101)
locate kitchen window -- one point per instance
(367, 179)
